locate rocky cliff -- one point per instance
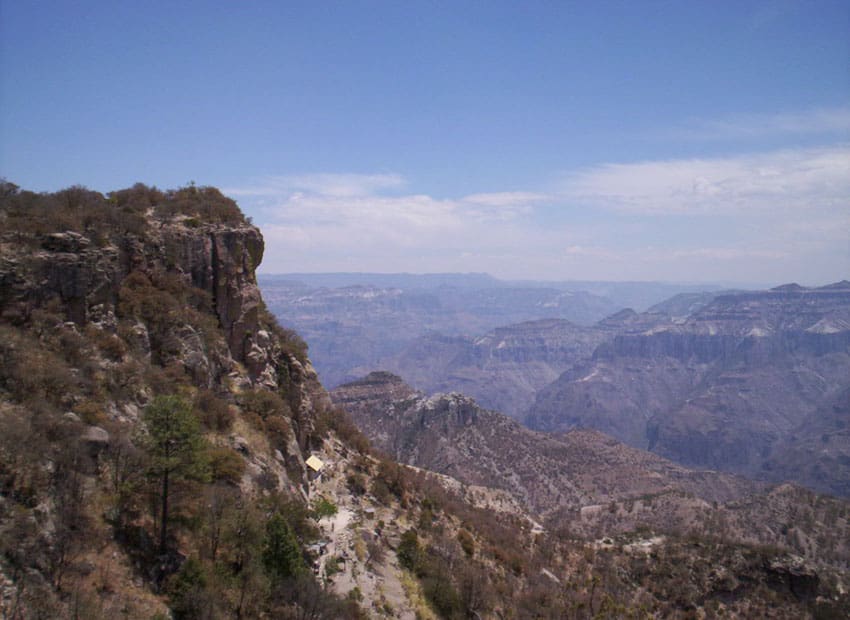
(86, 278)
(91, 275)
(169, 276)
(107, 305)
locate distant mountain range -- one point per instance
(743, 383)
(354, 322)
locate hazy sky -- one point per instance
(548, 140)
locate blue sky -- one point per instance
(695, 141)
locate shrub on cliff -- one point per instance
(409, 552)
(206, 204)
(214, 413)
(88, 212)
(75, 208)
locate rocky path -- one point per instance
(345, 565)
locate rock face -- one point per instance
(218, 259)
(452, 435)
(722, 389)
(221, 260)
(793, 574)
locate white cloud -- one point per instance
(505, 199)
(362, 202)
(721, 253)
(803, 179)
(811, 122)
(342, 185)
(776, 216)
(591, 252)
(362, 222)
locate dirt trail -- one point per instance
(344, 565)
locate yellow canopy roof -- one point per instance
(315, 463)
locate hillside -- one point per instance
(142, 381)
(558, 478)
(584, 485)
(452, 435)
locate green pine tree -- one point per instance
(281, 551)
(176, 449)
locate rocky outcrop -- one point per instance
(159, 286)
(221, 260)
(60, 265)
(85, 279)
(793, 574)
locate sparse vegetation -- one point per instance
(323, 507)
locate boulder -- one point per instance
(96, 439)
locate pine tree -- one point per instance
(175, 446)
(281, 552)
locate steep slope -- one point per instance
(720, 389)
(817, 452)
